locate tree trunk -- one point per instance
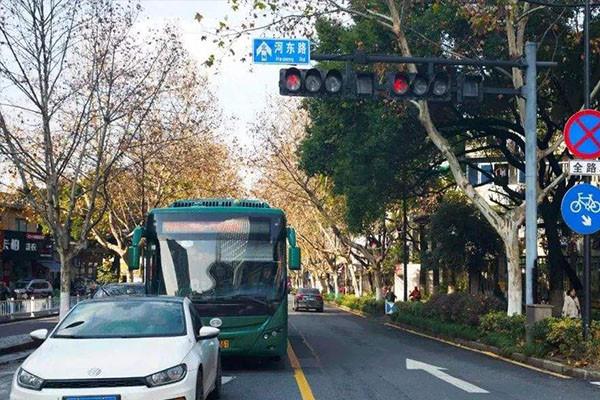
(336, 287)
(66, 268)
(515, 285)
(436, 279)
(378, 281)
(557, 261)
(474, 279)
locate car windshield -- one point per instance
(309, 291)
(123, 319)
(223, 261)
(21, 284)
(120, 290)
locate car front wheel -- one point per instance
(200, 386)
(216, 393)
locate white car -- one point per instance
(124, 348)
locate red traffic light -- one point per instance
(401, 84)
(293, 80)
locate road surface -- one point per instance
(336, 355)
(26, 326)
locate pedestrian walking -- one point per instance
(571, 306)
(390, 296)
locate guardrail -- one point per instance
(32, 307)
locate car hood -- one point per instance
(117, 358)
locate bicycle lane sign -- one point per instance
(580, 209)
(582, 134)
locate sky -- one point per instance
(241, 88)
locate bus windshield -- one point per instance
(231, 264)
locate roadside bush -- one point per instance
(364, 304)
(498, 322)
(461, 307)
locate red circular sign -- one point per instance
(582, 134)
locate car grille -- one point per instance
(93, 383)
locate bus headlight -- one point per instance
(272, 333)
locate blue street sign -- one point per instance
(280, 51)
(580, 209)
(390, 307)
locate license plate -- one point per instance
(224, 344)
(111, 397)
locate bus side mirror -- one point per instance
(294, 258)
(134, 249)
(134, 257)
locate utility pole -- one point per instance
(530, 170)
(587, 247)
(404, 242)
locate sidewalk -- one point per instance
(16, 344)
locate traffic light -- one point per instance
(310, 82)
(436, 87)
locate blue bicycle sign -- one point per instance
(580, 208)
(586, 203)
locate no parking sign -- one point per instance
(582, 134)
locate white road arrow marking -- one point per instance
(586, 220)
(438, 373)
(226, 379)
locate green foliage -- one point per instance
(107, 273)
(463, 238)
(499, 323)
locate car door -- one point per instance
(207, 351)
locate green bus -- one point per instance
(228, 256)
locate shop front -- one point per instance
(26, 255)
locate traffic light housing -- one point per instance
(419, 86)
(311, 82)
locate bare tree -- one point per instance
(78, 83)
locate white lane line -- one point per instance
(227, 379)
(595, 383)
(438, 373)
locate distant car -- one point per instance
(120, 289)
(307, 298)
(82, 286)
(36, 288)
(120, 348)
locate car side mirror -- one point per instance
(39, 335)
(294, 258)
(208, 332)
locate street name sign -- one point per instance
(584, 167)
(580, 209)
(582, 134)
(281, 51)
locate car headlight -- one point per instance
(171, 375)
(29, 381)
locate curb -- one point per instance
(551, 366)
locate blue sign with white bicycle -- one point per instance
(280, 51)
(580, 209)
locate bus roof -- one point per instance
(219, 205)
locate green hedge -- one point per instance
(364, 304)
(480, 318)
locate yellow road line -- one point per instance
(303, 385)
(487, 353)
